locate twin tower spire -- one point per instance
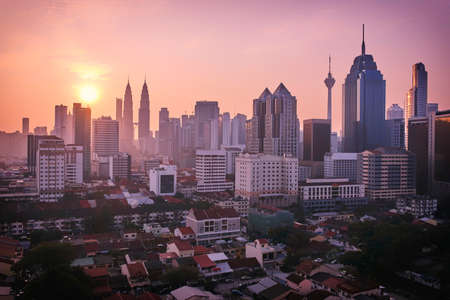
(144, 115)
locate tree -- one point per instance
(39, 236)
(179, 276)
(100, 222)
(48, 267)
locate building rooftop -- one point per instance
(204, 261)
(215, 212)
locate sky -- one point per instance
(227, 51)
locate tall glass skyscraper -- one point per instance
(363, 105)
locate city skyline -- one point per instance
(180, 76)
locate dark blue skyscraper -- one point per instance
(363, 105)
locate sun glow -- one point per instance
(88, 93)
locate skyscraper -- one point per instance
(416, 98)
(394, 112)
(316, 139)
(60, 121)
(144, 118)
(119, 111)
(281, 123)
(164, 143)
(329, 82)
(226, 129)
(206, 124)
(128, 129)
(432, 107)
(25, 125)
(50, 169)
(257, 127)
(238, 132)
(363, 104)
(82, 135)
(105, 133)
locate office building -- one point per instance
(127, 134)
(274, 127)
(418, 143)
(226, 129)
(419, 206)
(119, 166)
(82, 135)
(32, 149)
(50, 175)
(417, 96)
(440, 153)
(231, 153)
(316, 139)
(238, 132)
(105, 133)
(206, 132)
(119, 111)
(334, 144)
(25, 125)
(363, 105)
(68, 136)
(60, 121)
(73, 169)
(331, 194)
(395, 112)
(163, 180)
(387, 173)
(329, 82)
(304, 172)
(40, 130)
(212, 224)
(395, 133)
(267, 179)
(341, 165)
(210, 171)
(144, 118)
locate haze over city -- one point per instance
(209, 50)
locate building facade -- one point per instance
(363, 105)
(105, 133)
(267, 179)
(387, 173)
(330, 194)
(50, 169)
(210, 171)
(212, 224)
(73, 165)
(163, 180)
(316, 139)
(341, 165)
(144, 118)
(82, 135)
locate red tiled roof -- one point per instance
(186, 230)
(97, 272)
(148, 296)
(333, 282)
(263, 241)
(204, 261)
(183, 245)
(136, 269)
(171, 199)
(306, 266)
(92, 246)
(214, 212)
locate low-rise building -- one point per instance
(136, 274)
(184, 233)
(181, 248)
(331, 193)
(418, 206)
(212, 224)
(264, 253)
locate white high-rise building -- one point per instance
(50, 170)
(210, 171)
(163, 180)
(267, 179)
(73, 164)
(231, 153)
(341, 165)
(105, 132)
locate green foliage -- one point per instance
(294, 238)
(39, 236)
(48, 267)
(60, 283)
(179, 276)
(101, 221)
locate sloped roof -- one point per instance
(215, 212)
(204, 261)
(186, 230)
(281, 90)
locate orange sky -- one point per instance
(210, 50)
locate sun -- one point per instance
(88, 93)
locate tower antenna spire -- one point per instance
(363, 47)
(329, 64)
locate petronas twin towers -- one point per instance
(127, 126)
